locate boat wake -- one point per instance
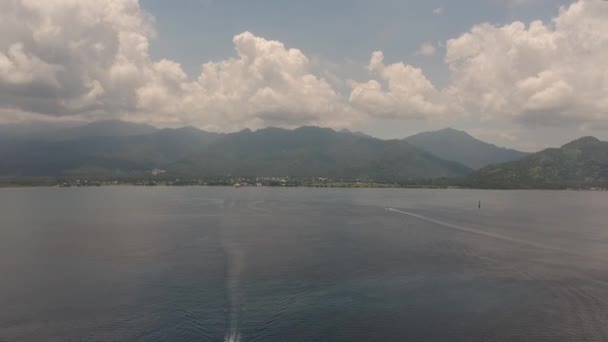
(233, 338)
(482, 232)
(233, 276)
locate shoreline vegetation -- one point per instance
(245, 182)
(116, 153)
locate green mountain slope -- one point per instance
(70, 131)
(304, 152)
(106, 128)
(313, 151)
(581, 163)
(100, 155)
(459, 146)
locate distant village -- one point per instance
(160, 177)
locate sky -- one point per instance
(520, 73)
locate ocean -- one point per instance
(299, 264)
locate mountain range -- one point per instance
(582, 163)
(50, 131)
(314, 151)
(459, 146)
(115, 149)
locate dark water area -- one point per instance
(270, 264)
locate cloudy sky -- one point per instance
(520, 73)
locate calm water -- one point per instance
(223, 264)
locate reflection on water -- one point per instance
(224, 264)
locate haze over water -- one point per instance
(283, 264)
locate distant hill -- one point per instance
(304, 152)
(32, 130)
(100, 155)
(581, 163)
(106, 128)
(69, 131)
(314, 151)
(459, 146)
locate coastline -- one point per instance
(334, 186)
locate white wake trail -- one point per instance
(481, 232)
(233, 276)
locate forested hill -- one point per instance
(582, 163)
(461, 147)
(113, 150)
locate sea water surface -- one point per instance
(296, 264)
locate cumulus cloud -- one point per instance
(538, 73)
(67, 58)
(266, 84)
(541, 73)
(90, 60)
(401, 92)
(426, 49)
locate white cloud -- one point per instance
(426, 49)
(55, 55)
(408, 94)
(90, 59)
(18, 68)
(542, 73)
(266, 84)
(438, 11)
